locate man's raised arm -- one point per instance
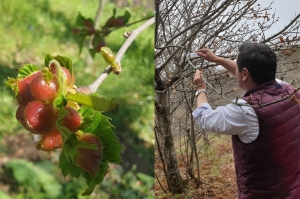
(206, 54)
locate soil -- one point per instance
(217, 175)
(19, 146)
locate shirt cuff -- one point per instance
(204, 108)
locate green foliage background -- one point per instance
(31, 29)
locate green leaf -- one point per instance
(99, 125)
(102, 172)
(28, 174)
(126, 16)
(64, 62)
(68, 167)
(13, 84)
(95, 101)
(145, 178)
(98, 42)
(100, 177)
(86, 145)
(69, 138)
(48, 58)
(60, 76)
(79, 19)
(63, 164)
(69, 147)
(114, 12)
(60, 101)
(117, 21)
(89, 190)
(92, 52)
(87, 115)
(110, 21)
(80, 41)
(80, 37)
(26, 70)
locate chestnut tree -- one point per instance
(221, 25)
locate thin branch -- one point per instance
(169, 46)
(206, 16)
(92, 88)
(98, 17)
(160, 184)
(280, 32)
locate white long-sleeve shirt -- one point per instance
(230, 119)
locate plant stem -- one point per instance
(92, 88)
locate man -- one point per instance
(265, 137)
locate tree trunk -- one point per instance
(165, 143)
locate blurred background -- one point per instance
(31, 29)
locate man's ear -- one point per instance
(245, 74)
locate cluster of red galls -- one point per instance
(36, 111)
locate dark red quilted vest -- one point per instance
(269, 167)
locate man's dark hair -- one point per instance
(259, 59)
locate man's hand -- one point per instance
(207, 55)
(198, 81)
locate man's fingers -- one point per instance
(199, 72)
(200, 54)
(202, 50)
(197, 77)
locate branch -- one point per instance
(291, 96)
(97, 18)
(89, 59)
(209, 19)
(206, 16)
(280, 32)
(138, 21)
(177, 46)
(92, 88)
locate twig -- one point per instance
(160, 184)
(92, 88)
(169, 46)
(288, 96)
(236, 101)
(208, 84)
(89, 59)
(280, 32)
(97, 19)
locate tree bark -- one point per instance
(165, 143)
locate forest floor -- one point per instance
(217, 174)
